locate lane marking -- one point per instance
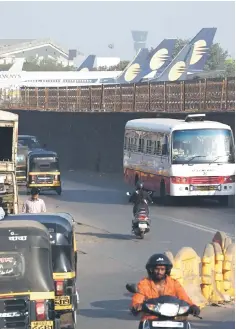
(196, 226)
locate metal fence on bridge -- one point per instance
(207, 95)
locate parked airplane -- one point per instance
(87, 64)
(132, 73)
(141, 67)
(190, 59)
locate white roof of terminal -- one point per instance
(8, 47)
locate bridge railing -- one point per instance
(207, 95)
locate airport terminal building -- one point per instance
(35, 49)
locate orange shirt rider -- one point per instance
(149, 289)
(159, 283)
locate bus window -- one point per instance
(125, 144)
(165, 150)
(133, 147)
(149, 146)
(157, 147)
(141, 145)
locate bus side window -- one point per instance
(157, 144)
(165, 150)
(141, 145)
(157, 147)
(149, 146)
(129, 144)
(134, 145)
(125, 143)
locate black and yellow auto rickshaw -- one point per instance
(64, 259)
(27, 294)
(43, 171)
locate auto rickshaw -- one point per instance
(64, 258)
(27, 293)
(43, 171)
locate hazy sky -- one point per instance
(91, 26)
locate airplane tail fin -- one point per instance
(131, 73)
(177, 70)
(87, 64)
(18, 65)
(202, 43)
(160, 57)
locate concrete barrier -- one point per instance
(187, 261)
(186, 270)
(218, 270)
(229, 270)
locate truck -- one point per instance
(8, 159)
(21, 164)
(26, 144)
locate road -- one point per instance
(110, 257)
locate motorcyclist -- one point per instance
(159, 283)
(138, 198)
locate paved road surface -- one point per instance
(110, 257)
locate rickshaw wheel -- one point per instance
(58, 190)
(57, 323)
(74, 318)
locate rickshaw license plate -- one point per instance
(62, 300)
(42, 325)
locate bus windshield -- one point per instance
(202, 146)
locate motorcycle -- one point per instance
(171, 312)
(141, 222)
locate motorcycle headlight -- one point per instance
(183, 309)
(169, 309)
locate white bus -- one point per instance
(190, 157)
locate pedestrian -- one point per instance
(34, 205)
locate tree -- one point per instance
(180, 43)
(120, 67)
(45, 65)
(217, 57)
(230, 67)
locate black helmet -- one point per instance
(34, 191)
(158, 259)
(139, 185)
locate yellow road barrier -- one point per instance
(186, 264)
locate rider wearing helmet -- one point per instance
(159, 283)
(138, 198)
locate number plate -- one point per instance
(142, 225)
(62, 300)
(205, 188)
(167, 324)
(42, 325)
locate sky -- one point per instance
(91, 26)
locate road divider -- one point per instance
(209, 279)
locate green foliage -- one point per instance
(120, 67)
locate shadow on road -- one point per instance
(108, 235)
(201, 324)
(112, 309)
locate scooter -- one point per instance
(141, 222)
(171, 312)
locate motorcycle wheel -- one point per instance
(141, 235)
